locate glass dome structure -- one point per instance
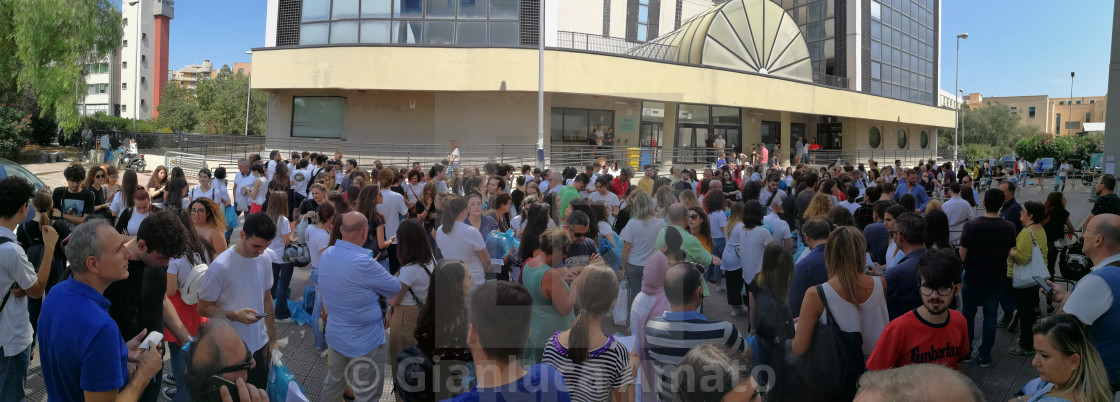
(748, 35)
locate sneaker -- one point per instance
(169, 378)
(168, 392)
(1019, 351)
(323, 353)
(284, 321)
(721, 288)
(984, 362)
(738, 311)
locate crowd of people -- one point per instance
(413, 268)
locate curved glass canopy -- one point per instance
(748, 35)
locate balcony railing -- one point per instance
(830, 80)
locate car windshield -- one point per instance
(9, 168)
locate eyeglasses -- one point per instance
(198, 211)
(927, 290)
(245, 365)
(100, 176)
(693, 216)
(577, 234)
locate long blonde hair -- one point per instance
(1089, 382)
(597, 290)
(733, 218)
(843, 254)
(688, 198)
(641, 206)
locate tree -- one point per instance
(221, 105)
(993, 128)
(178, 108)
(44, 45)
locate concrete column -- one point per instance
(669, 136)
(1112, 131)
(784, 154)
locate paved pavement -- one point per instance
(998, 382)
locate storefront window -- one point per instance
(581, 126)
(318, 116)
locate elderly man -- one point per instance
(350, 291)
(1095, 300)
(959, 212)
(82, 352)
(216, 348)
(242, 180)
(917, 382)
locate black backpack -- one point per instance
(830, 370)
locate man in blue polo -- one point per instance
(902, 283)
(350, 291)
(82, 352)
(811, 270)
(910, 186)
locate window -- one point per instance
(143, 80)
(241, 71)
(1088, 117)
(1031, 111)
(124, 64)
(874, 137)
(143, 36)
(124, 108)
(1058, 123)
(124, 85)
(643, 21)
(902, 140)
(126, 22)
(1061, 102)
(1014, 110)
(1092, 101)
(876, 10)
(143, 58)
(318, 116)
(442, 22)
(126, 43)
(577, 125)
(923, 139)
(1078, 102)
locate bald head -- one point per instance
(354, 226)
(216, 346)
(678, 214)
(917, 383)
(1102, 237)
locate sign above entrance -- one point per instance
(627, 124)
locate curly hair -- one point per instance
(214, 215)
(75, 173)
(162, 232)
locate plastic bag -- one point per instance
(499, 244)
(612, 254)
(231, 217)
(280, 380)
(621, 305)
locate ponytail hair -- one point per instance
(454, 208)
(597, 290)
(673, 242)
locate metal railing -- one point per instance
(908, 157)
(594, 43)
(830, 80)
(215, 147)
(188, 162)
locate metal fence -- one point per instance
(215, 147)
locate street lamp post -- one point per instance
(540, 89)
(957, 83)
(248, 92)
(1069, 120)
(961, 92)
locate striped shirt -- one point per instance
(673, 334)
(606, 368)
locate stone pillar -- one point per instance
(1112, 132)
(784, 154)
(669, 136)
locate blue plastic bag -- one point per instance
(612, 254)
(231, 217)
(278, 379)
(499, 244)
(308, 299)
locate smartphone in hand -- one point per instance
(1045, 288)
(262, 315)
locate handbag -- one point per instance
(830, 370)
(1022, 276)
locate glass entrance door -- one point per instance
(650, 134)
(733, 138)
(691, 143)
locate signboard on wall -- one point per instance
(627, 124)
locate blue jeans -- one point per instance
(1006, 302)
(13, 375)
(1061, 180)
(316, 332)
(106, 155)
(281, 285)
(986, 297)
(178, 361)
(715, 273)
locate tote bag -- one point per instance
(1022, 276)
(831, 369)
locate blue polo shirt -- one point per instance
(810, 271)
(81, 348)
(902, 284)
(919, 193)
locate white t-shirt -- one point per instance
(454, 156)
(610, 199)
(413, 192)
(1062, 170)
(117, 205)
(720, 143)
(717, 220)
(270, 170)
(392, 206)
(15, 268)
(134, 222)
(730, 257)
(234, 282)
(283, 227)
(214, 194)
(463, 243)
(850, 206)
(417, 279)
(300, 178)
(750, 251)
(1092, 297)
(518, 225)
(292, 171)
(262, 192)
(779, 229)
(642, 235)
(605, 228)
(317, 241)
(240, 182)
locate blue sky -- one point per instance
(1015, 47)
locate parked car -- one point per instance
(1048, 166)
(1008, 161)
(9, 168)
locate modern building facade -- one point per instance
(102, 83)
(657, 74)
(1056, 116)
(189, 75)
(144, 56)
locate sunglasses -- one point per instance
(578, 235)
(693, 216)
(100, 176)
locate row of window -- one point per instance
(1091, 101)
(900, 92)
(1031, 112)
(875, 138)
(410, 32)
(323, 10)
(96, 68)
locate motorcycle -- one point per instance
(129, 160)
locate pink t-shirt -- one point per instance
(765, 155)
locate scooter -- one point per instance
(129, 160)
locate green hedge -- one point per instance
(1074, 148)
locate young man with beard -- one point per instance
(932, 333)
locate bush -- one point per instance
(1074, 148)
(975, 152)
(15, 127)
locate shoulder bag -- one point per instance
(1022, 276)
(830, 370)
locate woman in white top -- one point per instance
(857, 301)
(417, 263)
(453, 158)
(639, 238)
(124, 197)
(894, 255)
(207, 188)
(459, 241)
(281, 270)
(752, 241)
(209, 222)
(318, 239)
(258, 191)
